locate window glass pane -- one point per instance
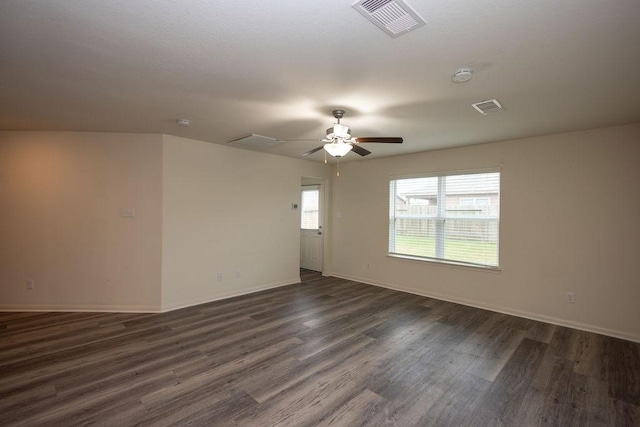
(450, 217)
(415, 237)
(472, 241)
(309, 209)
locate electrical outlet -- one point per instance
(31, 284)
(571, 298)
(220, 277)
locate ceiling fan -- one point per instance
(339, 141)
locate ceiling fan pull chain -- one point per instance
(338, 170)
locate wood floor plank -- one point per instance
(14, 402)
(565, 342)
(257, 334)
(542, 332)
(626, 414)
(119, 414)
(592, 358)
(332, 338)
(48, 343)
(414, 316)
(464, 317)
(597, 408)
(494, 349)
(239, 367)
(70, 355)
(309, 402)
(256, 345)
(327, 351)
(587, 403)
(70, 408)
(560, 405)
(624, 370)
(534, 401)
(504, 398)
(456, 406)
(266, 382)
(365, 409)
(412, 402)
(125, 372)
(202, 332)
(206, 408)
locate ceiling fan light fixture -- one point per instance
(337, 149)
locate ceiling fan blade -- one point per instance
(387, 140)
(313, 151)
(359, 150)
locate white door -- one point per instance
(311, 231)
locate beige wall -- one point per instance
(228, 210)
(225, 210)
(60, 224)
(570, 222)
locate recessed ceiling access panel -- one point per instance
(394, 17)
(254, 142)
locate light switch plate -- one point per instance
(128, 213)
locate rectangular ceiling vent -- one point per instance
(394, 17)
(253, 142)
(489, 106)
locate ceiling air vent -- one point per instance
(394, 17)
(253, 142)
(489, 106)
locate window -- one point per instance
(309, 219)
(452, 218)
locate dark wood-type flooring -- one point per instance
(324, 352)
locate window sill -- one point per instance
(445, 263)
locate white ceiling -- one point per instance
(278, 68)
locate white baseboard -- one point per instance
(155, 309)
(203, 300)
(499, 309)
(82, 308)
(139, 308)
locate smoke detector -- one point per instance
(184, 122)
(462, 75)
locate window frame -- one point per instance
(441, 216)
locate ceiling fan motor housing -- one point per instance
(339, 131)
